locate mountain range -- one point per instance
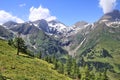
(98, 42)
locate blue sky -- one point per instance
(66, 11)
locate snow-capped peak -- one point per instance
(57, 26)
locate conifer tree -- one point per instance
(69, 66)
(11, 42)
(20, 44)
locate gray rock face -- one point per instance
(5, 33)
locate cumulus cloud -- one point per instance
(5, 16)
(22, 5)
(40, 13)
(107, 5)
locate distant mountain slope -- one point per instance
(5, 33)
(23, 67)
(25, 28)
(10, 24)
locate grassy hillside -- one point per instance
(23, 67)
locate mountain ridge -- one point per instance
(65, 36)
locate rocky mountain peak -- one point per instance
(80, 23)
(112, 16)
(10, 24)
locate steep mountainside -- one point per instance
(101, 49)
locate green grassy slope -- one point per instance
(111, 57)
(23, 67)
(102, 49)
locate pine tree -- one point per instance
(53, 59)
(82, 61)
(86, 73)
(46, 58)
(56, 64)
(69, 66)
(11, 42)
(40, 55)
(20, 45)
(74, 68)
(104, 76)
(60, 67)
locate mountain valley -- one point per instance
(94, 44)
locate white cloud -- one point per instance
(51, 18)
(22, 5)
(40, 13)
(107, 5)
(5, 16)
